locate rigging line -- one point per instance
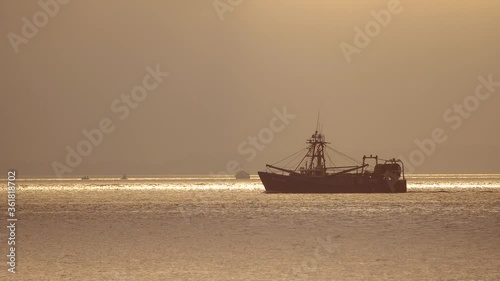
(286, 165)
(289, 156)
(303, 158)
(346, 156)
(327, 155)
(300, 163)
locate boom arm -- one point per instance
(349, 170)
(281, 169)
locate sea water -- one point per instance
(218, 228)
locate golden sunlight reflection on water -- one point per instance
(421, 181)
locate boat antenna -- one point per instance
(318, 128)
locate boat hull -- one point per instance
(346, 183)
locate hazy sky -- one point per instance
(230, 66)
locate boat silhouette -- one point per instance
(242, 175)
(312, 175)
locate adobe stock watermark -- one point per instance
(310, 263)
(454, 116)
(121, 107)
(372, 29)
(223, 6)
(48, 9)
(258, 142)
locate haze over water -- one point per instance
(228, 74)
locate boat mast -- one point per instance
(317, 164)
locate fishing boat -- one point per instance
(124, 177)
(85, 178)
(242, 175)
(313, 175)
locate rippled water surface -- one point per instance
(218, 228)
